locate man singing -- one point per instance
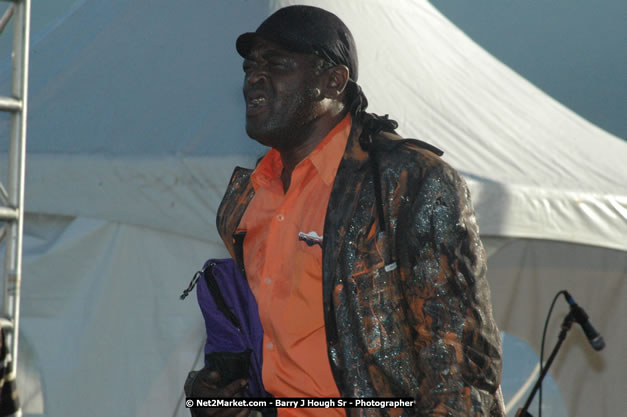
(361, 247)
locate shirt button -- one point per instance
(280, 217)
(268, 280)
(270, 345)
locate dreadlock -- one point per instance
(372, 123)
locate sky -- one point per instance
(574, 50)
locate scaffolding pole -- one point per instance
(12, 201)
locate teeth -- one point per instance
(258, 100)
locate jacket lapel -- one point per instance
(349, 180)
(238, 194)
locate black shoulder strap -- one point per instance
(390, 140)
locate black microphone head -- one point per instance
(581, 317)
(597, 343)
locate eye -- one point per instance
(278, 62)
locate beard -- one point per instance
(287, 120)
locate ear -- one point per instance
(336, 81)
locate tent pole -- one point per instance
(13, 214)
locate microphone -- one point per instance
(595, 339)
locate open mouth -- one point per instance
(255, 103)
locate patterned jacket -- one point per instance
(406, 301)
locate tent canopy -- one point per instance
(135, 125)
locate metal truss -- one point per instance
(12, 197)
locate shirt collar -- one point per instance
(325, 157)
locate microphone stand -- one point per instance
(566, 325)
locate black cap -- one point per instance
(306, 29)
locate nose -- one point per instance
(254, 77)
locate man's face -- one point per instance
(279, 91)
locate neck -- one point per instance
(310, 137)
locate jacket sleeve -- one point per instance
(457, 345)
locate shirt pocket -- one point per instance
(305, 309)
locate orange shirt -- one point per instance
(283, 261)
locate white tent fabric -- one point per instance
(136, 122)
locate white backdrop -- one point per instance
(136, 122)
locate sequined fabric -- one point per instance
(407, 310)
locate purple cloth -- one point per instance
(223, 276)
